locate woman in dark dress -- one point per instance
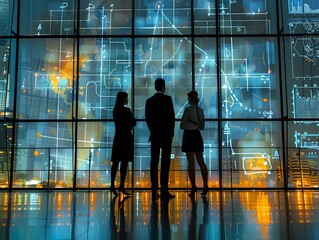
(123, 143)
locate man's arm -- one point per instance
(148, 114)
(171, 116)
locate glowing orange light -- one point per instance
(265, 99)
(36, 153)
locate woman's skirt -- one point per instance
(192, 141)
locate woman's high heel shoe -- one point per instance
(205, 191)
(193, 191)
(112, 189)
(124, 192)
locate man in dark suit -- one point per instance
(160, 119)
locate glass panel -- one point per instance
(7, 76)
(6, 135)
(142, 147)
(206, 75)
(303, 151)
(162, 17)
(252, 154)
(168, 58)
(94, 142)
(106, 17)
(300, 17)
(178, 169)
(45, 81)
(247, 17)
(204, 17)
(45, 153)
(7, 17)
(302, 75)
(249, 74)
(142, 156)
(47, 170)
(51, 17)
(303, 134)
(303, 167)
(105, 71)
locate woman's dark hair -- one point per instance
(120, 97)
(193, 97)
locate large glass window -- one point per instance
(253, 63)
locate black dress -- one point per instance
(123, 143)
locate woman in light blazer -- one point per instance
(192, 122)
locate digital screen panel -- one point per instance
(105, 70)
(204, 17)
(168, 58)
(105, 17)
(245, 16)
(205, 69)
(162, 17)
(47, 17)
(46, 79)
(303, 6)
(251, 153)
(250, 80)
(302, 91)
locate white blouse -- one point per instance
(193, 118)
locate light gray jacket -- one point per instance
(193, 118)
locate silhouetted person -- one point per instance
(203, 226)
(117, 231)
(192, 122)
(153, 226)
(160, 119)
(113, 226)
(123, 233)
(166, 229)
(123, 143)
(192, 223)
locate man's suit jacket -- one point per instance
(160, 117)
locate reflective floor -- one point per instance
(97, 215)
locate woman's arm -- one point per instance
(184, 119)
(202, 119)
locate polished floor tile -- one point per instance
(99, 215)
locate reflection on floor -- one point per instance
(98, 215)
